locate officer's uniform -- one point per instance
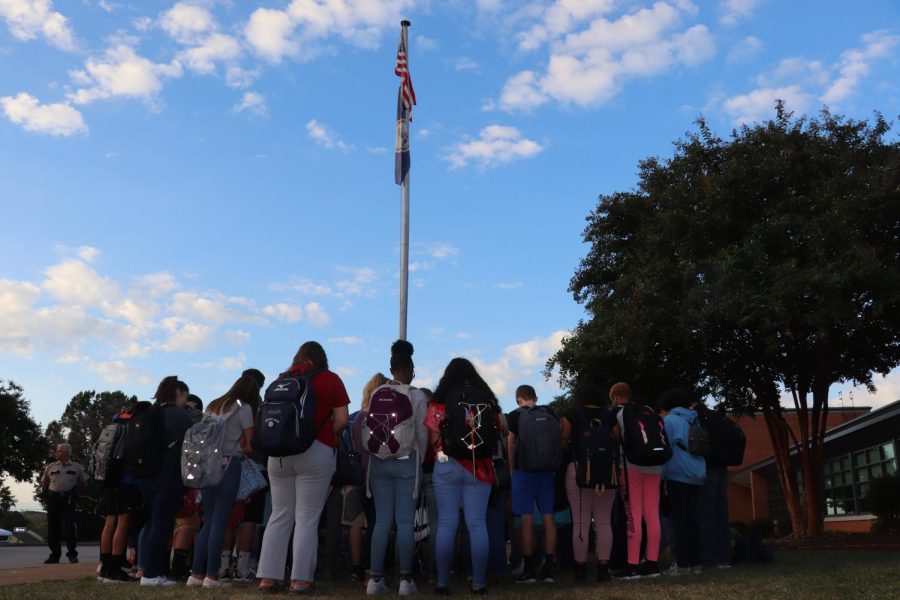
(62, 482)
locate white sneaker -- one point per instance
(214, 584)
(696, 570)
(376, 587)
(675, 570)
(194, 581)
(408, 587)
(161, 580)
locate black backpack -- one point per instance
(698, 439)
(287, 415)
(469, 428)
(726, 438)
(644, 436)
(539, 441)
(595, 451)
(106, 457)
(144, 445)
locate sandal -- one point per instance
(305, 587)
(267, 586)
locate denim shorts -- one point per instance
(529, 489)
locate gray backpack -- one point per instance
(202, 463)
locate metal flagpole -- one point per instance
(404, 217)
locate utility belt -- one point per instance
(61, 495)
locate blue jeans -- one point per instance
(715, 531)
(163, 494)
(454, 485)
(393, 484)
(217, 504)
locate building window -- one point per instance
(871, 464)
(838, 487)
(847, 479)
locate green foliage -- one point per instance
(884, 498)
(6, 500)
(23, 446)
(771, 257)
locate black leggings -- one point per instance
(683, 499)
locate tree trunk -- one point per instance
(778, 433)
(812, 471)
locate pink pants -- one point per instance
(587, 503)
(642, 503)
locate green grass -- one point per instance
(796, 574)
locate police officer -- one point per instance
(61, 481)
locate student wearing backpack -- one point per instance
(357, 496)
(591, 478)
(684, 474)
(300, 482)
(236, 406)
(163, 490)
(464, 425)
(640, 477)
(121, 498)
(727, 443)
(535, 453)
(395, 436)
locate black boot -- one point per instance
(602, 573)
(580, 573)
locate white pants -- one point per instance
(299, 486)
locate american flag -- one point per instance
(402, 71)
(406, 99)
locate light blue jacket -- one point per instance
(683, 466)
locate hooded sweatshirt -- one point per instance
(683, 466)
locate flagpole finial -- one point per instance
(405, 23)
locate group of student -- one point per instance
(410, 461)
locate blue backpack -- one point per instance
(287, 415)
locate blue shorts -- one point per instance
(529, 489)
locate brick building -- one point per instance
(860, 445)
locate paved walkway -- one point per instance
(25, 564)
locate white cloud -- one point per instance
(350, 340)
(589, 66)
(745, 49)
(316, 314)
(218, 47)
(228, 363)
(520, 363)
(121, 72)
(253, 102)
(238, 77)
(345, 371)
(187, 23)
(295, 31)
(795, 70)
(734, 11)
(72, 281)
(496, 145)
(117, 372)
(441, 250)
(156, 285)
(28, 19)
(59, 119)
(284, 312)
(269, 33)
(236, 337)
(465, 64)
(760, 103)
(426, 43)
(188, 337)
(87, 253)
(325, 137)
(514, 285)
(854, 65)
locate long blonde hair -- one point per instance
(378, 380)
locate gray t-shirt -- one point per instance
(237, 422)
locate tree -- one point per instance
(768, 261)
(23, 446)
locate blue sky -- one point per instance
(198, 187)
